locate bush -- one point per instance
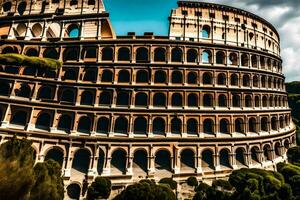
(100, 188)
(192, 181)
(222, 184)
(146, 189)
(170, 182)
(22, 60)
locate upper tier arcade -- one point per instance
(220, 24)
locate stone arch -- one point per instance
(192, 78)
(103, 125)
(84, 124)
(67, 96)
(239, 125)
(176, 54)
(224, 158)
(141, 99)
(19, 118)
(51, 53)
(207, 160)
(160, 77)
(124, 76)
(163, 162)
(267, 152)
(177, 77)
(121, 125)
(206, 57)
(192, 56)
(21, 29)
(277, 149)
(248, 101)
(176, 126)
(193, 100)
(159, 99)
(123, 98)
(192, 126)
(37, 29)
(224, 126)
(207, 78)
(101, 161)
(205, 33)
(105, 98)
(140, 162)
(10, 49)
(90, 74)
(264, 124)
(222, 100)
(71, 54)
(160, 54)
(208, 126)
(73, 30)
(123, 54)
(56, 154)
(207, 100)
(53, 30)
(255, 155)
(236, 101)
(221, 79)
(87, 98)
(24, 91)
(187, 160)
(252, 125)
(177, 100)
(246, 80)
(43, 121)
(244, 60)
(220, 57)
(274, 126)
(240, 156)
(107, 54)
(5, 88)
(118, 162)
(107, 76)
(142, 76)
(80, 164)
(159, 126)
(142, 54)
(140, 125)
(33, 52)
(234, 80)
(65, 122)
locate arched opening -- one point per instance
(252, 125)
(176, 126)
(208, 126)
(29, 71)
(9, 49)
(101, 161)
(255, 155)
(192, 56)
(67, 96)
(142, 55)
(73, 31)
(245, 60)
(90, 53)
(205, 31)
(160, 55)
(107, 76)
(53, 30)
(163, 161)
(177, 77)
(267, 152)
(236, 101)
(239, 125)
(6, 6)
(107, 54)
(264, 124)
(246, 81)
(192, 78)
(121, 125)
(50, 53)
(220, 57)
(123, 54)
(176, 100)
(254, 61)
(159, 126)
(123, 99)
(176, 55)
(240, 157)
(206, 57)
(118, 162)
(84, 125)
(255, 81)
(248, 101)
(142, 76)
(233, 59)
(81, 163)
(234, 80)
(207, 160)
(274, 124)
(187, 160)
(105, 98)
(265, 101)
(140, 163)
(103, 125)
(222, 101)
(140, 125)
(207, 100)
(207, 78)
(224, 158)
(257, 101)
(24, 91)
(71, 54)
(43, 121)
(192, 126)
(159, 99)
(12, 69)
(56, 155)
(65, 123)
(277, 149)
(87, 98)
(37, 29)
(31, 52)
(90, 75)
(19, 118)
(141, 99)
(22, 7)
(221, 79)
(5, 88)
(160, 77)
(224, 126)
(193, 100)
(123, 76)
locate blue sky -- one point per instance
(152, 16)
(137, 15)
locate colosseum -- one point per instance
(202, 101)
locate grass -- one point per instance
(22, 60)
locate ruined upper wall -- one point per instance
(214, 23)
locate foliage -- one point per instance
(192, 181)
(294, 155)
(170, 182)
(22, 60)
(146, 189)
(49, 183)
(100, 188)
(21, 180)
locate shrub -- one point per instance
(170, 182)
(146, 189)
(22, 60)
(100, 188)
(222, 183)
(192, 181)
(202, 187)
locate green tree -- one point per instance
(192, 181)
(100, 188)
(170, 182)
(48, 182)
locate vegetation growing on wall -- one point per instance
(22, 60)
